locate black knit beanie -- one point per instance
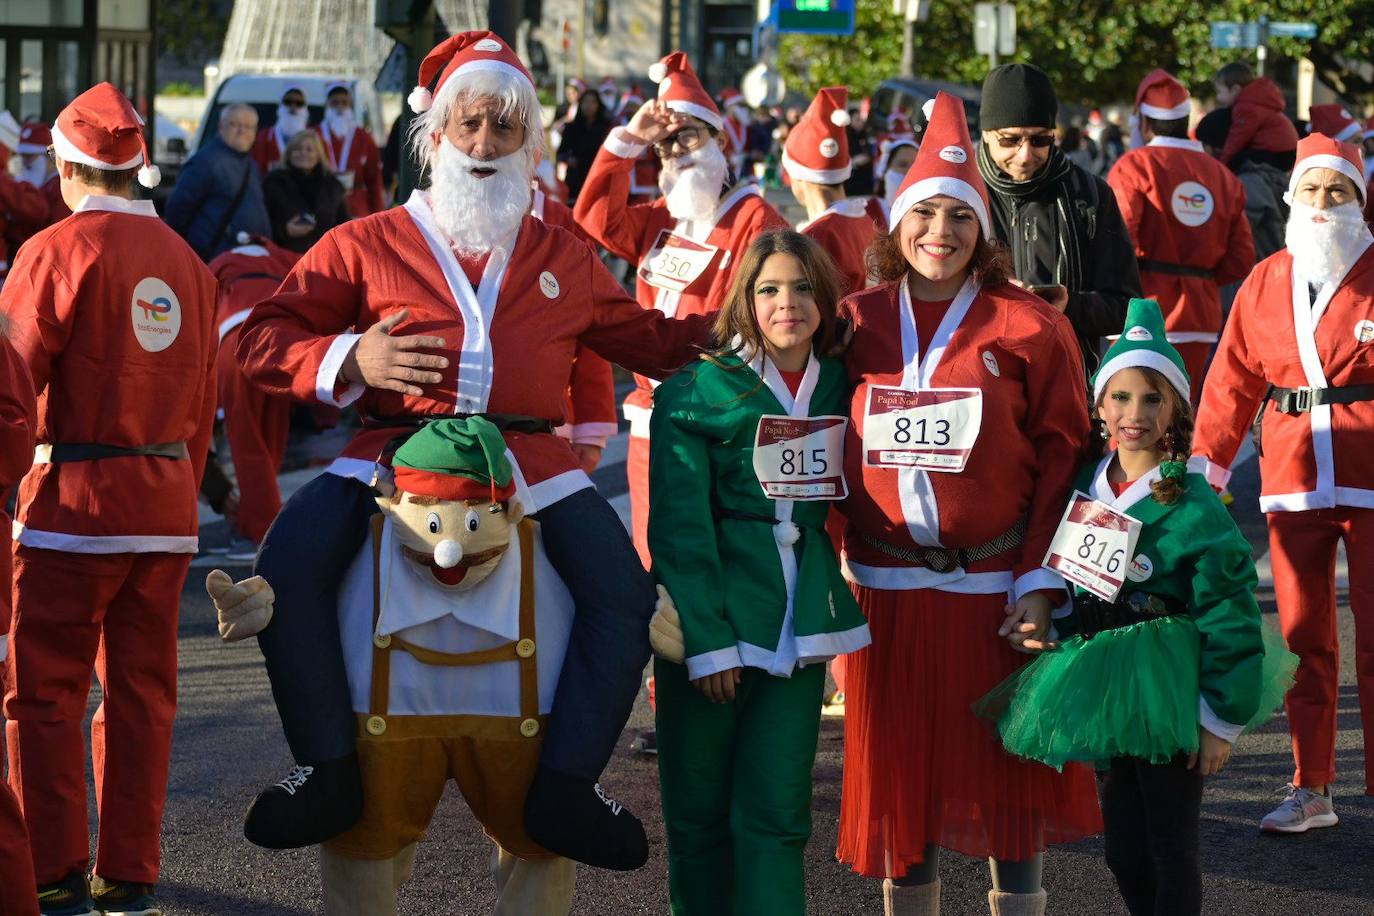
(1214, 127)
(1017, 95)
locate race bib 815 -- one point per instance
(800, 458)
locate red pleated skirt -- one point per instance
(919, 766)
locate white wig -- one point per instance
(513, 92)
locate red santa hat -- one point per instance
(1318, 151)
(34, 137)
(466, 52)
(578, 83)
(101, 129)
(731, 98)
(681, 91)
(1335, 121)
(1162, 97)
(945, 164)
(899, 125)
(817, 149)
(889, 146)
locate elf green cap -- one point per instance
(455, 459)
(1143, 345)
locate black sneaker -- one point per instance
(69, 897)
(123, 898)
(311, 805)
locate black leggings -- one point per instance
(1150, 813)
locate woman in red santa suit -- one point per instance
(965, 427)
(1299, 347)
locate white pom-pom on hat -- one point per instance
(243, 238)
(839, 118)
(658, 71)
(928, 108)
(786, 533)
(420, 100)
(149, 176)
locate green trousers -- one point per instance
(736, 786)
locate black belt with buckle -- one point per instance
(1095, 615)
(948, 559)
(1302, 400)
(61, 452)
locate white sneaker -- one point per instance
(1299, 812)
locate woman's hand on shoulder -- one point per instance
(1211, 754)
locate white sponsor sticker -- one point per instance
(954, 154)
(488, 44)
(990, 363)
(1192, 203)
(156, 314)
(1139, 333)
(1141, 568)
(1092, 545)
(548, 285)
(1364, 332)
(830, 147)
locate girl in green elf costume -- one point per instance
(745, 462)
(1163, 660)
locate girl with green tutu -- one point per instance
(1154, 685)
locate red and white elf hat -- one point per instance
(1318, 151)
(101, 129)
(817, 149)
(1162, 97)
(899, 125)
(681, 91)
(945, 164)
(1335, 121)
(34, 137)
(466, 52)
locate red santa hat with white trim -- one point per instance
(101, 129)
(681, 90)
(34, 137)
(730, 97)
(466, 52)
(1335, 121)
(899, 125)
(817, 149)
(1161, 97)
(945, 164)
(1318, 151)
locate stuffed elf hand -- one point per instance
(244, 608)
(665, 629)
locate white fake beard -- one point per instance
(892, 183)
(291, 121)
(694, 193)
(341, 124)
(477, 214)
(1324, 251)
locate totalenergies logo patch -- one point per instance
(156, 314)
(1192, 203)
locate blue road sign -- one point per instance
(1293, 29)
(816, 17)
(1235, 34)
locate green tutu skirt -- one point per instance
(1127, 692)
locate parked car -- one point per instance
(264, 91)
(911, 94)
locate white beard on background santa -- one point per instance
(458, 303)
(1299, 349)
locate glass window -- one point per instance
(42, 12)
(66, 75)
(30, 80)
(123, 14)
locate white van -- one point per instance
(264, 91)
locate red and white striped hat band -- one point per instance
(466, 52)
(1162, 97)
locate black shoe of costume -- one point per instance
(574, 818)
(311, 805)
(69, 897)
(124, 898)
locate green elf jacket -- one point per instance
(755, 579)
(1192, 551)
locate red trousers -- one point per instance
(1302, 547)
(257, 425)
(116, 615)
(637, 469)
(18, 893)
(1195, 361)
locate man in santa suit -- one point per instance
(17, 411)
(255, 423)
(21, 203)
(39, 171)
(114, 315)
(1185, 212)
(735, 125)
(292, 118)
(686, 242)
(1299, 346)
(817, 164)
(458, 303)
(352, 153)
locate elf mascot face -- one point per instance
(449, 590)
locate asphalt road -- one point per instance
(228, 745)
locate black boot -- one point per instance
(574, 818)
(311, 805)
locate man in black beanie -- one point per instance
(1067, 239)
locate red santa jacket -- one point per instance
(357, 164)
(1277, 335)
(589, 413)
(268, 148)
(1258, 121)
(114, 315)
(845, 230)
(1022, 355)
(17, 420)
(23, 207)
(1186, 213)
(703, 253)
(736, 131)
(247, 275)
(515, 359)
